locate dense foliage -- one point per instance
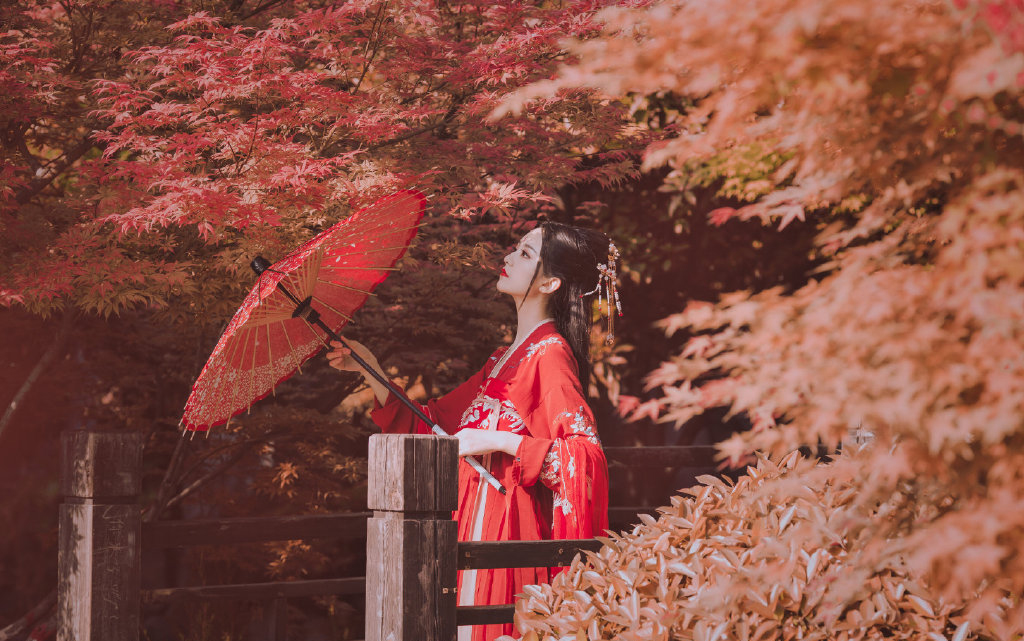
(731, 561)
(895, 127)
(151, 149)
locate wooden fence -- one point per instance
(412, 552)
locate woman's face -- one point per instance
(520, 265)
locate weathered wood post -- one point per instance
(411, 538)
(100, 524)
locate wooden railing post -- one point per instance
(100, 526)
(411, 539)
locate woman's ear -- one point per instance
(550, 285)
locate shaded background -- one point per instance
(303, 450)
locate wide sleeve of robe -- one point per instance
(561, 450)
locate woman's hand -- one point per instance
(473, 442)
(340, 358)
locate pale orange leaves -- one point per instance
(898, 126)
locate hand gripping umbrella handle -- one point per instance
(437, 429)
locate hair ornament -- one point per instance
(607, 276)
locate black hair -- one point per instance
(572, 254)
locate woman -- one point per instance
(524, 415)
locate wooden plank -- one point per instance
(446, 470)
(485, 614)
(101, 464)
(377, 578)
(98, 573)
(261, 591)
(404, 469)
(482, 555)
(99, 552)
(411, 539)
(168, 534)
(445, 572)
(662, 456)
(410, 579)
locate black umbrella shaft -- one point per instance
(304, 309)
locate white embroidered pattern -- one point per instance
(580, 424)
(540, 347)
(507, 414)
(562, 502)
(551, 467)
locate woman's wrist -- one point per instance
(512, 441)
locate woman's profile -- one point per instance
(524, 415)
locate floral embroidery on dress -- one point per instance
(562, 502)
(580, 424)
(472, 413)
(551, 467)
(482, 404)
(540, 347)
(512, 418)
(554, 465)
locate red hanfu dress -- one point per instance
(557, 482)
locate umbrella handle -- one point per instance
(305, 310)
(437, 429)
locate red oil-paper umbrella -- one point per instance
(300, 303)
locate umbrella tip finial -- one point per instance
(259, 265)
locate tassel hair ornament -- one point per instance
(607, 275)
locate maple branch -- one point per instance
(447, 118)
(260, 8)
(412, 133)
(223, 448)
(209, 476)
(225, 466)
(377, 23)
(79, 41)
(16, 136)
(40, 183)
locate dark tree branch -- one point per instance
(412, 133)
(23, 626)
(375, 41)
(209, 476)
(16, 136)
(261, 8)
(42, 182)
(56, 345)
(163, 492)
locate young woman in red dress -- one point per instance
(524, 415)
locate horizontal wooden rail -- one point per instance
(169, 534)
(662, 456)
(261, 591)
(628, 515)
(485, 555)
(484, 614)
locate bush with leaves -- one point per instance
(769, 557)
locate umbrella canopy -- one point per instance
(335, 272)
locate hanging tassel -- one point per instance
(607, 274)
